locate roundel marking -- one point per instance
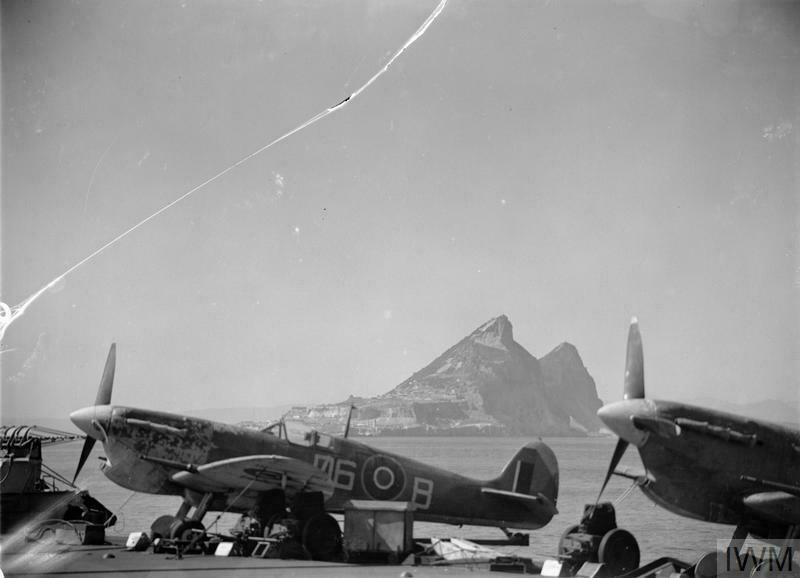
(383, 478)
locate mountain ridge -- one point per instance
(485, 384)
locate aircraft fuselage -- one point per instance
(144, 449)
(704, 463)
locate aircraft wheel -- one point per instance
(562, 542)
(160, 528)
(185, 530)
(706, 566)
(322, 537)
(619, 551)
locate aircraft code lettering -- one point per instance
(344, 475)
(423, 493)
(341, 472)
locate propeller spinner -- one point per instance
(89, 419)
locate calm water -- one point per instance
(582, 464)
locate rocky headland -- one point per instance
(486, 384)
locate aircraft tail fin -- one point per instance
(532, 471)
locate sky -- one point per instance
(568, 164)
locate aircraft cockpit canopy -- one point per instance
(299, 433)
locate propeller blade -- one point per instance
(619, 450)
(103, 398)
(634, 364)
(85, 451)
(107, 381)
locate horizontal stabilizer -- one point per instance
(538, 498)
(258, 474)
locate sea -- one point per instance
(582, 465)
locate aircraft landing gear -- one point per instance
(184, 528)
(597, 539)
(750, 564)
(306, 530)
(322, 537)
(303, 530)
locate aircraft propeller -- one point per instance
(103, 398)
(633, 388)
(634, 364)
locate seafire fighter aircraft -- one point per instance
(706, 464)
(289, 467)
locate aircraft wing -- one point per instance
(256, 473)
(779, 506)
(523, 499)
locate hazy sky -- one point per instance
(569, 164)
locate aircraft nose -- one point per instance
(618, 416)
(93, 420)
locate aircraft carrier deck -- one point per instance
(113, 559)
